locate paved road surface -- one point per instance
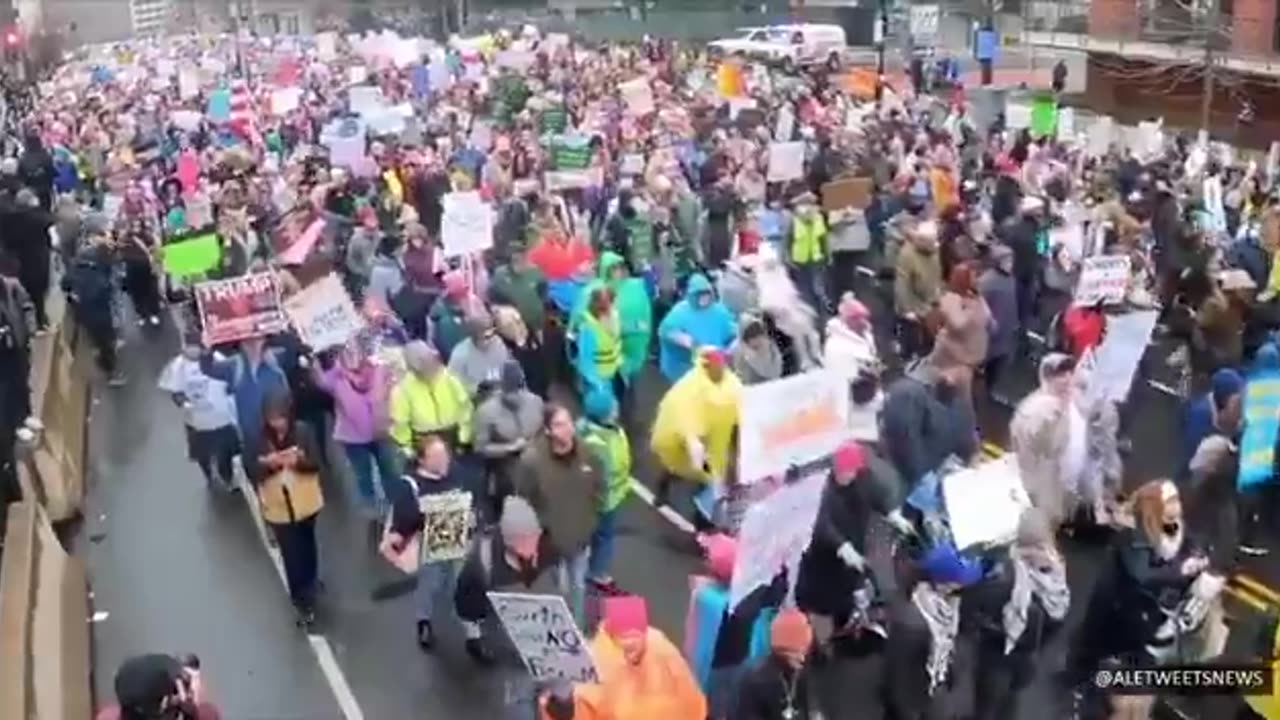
(178, 569)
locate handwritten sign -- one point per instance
(240, 308)
(544, 633)
(774, 535)
(791, 421)
(466, 227)
(324, 314)
(985, 503)
(1103, 278)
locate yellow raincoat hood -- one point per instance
(699, 407)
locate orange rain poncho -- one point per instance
(660, 687)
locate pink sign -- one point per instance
(297, 253)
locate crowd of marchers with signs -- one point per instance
(469, 268)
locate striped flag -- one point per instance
(244, 114)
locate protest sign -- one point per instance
(240, 308)
(785, 127)
(285, 100)
(1017, 115)
(365, 100)
(786, 161)
(544, 633)
(1099, 137)
(188, 120)
(323, 314)
(792, 421)
(357, 75)
(188, 83)
(774, 535)
(191, 256)
(1103, 278)
(1147, 140)
(466, 227)
(572, 179)
(326, 46)
(846, 193)
(1066, 123)
(1044, 117)
(633, 164)
(985, 503)
(1261, 412)
(570, 152)
(1112, 364)
(638, 96)
(449, 522)
(346, 142)
(300, 248)
(730, 82)
(518, 60)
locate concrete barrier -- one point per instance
(53, 472)
(44, 623)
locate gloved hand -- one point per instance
(851, 557)
(900, 523)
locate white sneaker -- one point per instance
(154, 320)
(1254, 551)
(117, 380)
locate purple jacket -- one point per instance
(360, 417)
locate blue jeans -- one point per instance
(435, 580)
(602, 546)
(571, 583)
(363, 458)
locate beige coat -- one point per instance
(962, 340)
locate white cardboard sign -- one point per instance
(544, 633)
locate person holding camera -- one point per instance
(158, 687)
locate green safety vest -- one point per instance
(806, 240)
(608, 345)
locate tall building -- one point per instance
(149, 17)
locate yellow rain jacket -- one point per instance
(440, 405)
(697, 407)
(661, 687)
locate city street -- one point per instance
(176, 568)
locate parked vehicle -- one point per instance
(790, 46)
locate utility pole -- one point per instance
(883, 20)
(1210, 31)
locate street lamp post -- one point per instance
(883, 20)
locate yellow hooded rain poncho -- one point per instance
(697, 407)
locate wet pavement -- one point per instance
(178, 568)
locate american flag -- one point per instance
(244, 113)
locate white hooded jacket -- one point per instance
(847, 352)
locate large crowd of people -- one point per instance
(655, 220)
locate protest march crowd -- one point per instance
(457, 264)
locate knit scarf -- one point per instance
(942, 614)
(1046, 581)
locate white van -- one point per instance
(787, 45)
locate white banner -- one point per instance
(792, 421)
(1103, 278)
(1112, 364)
(326, 46)
(774, 535)
(467, 224)
(544, 633)
(786, 161)
(985, 503)
(324, 314)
